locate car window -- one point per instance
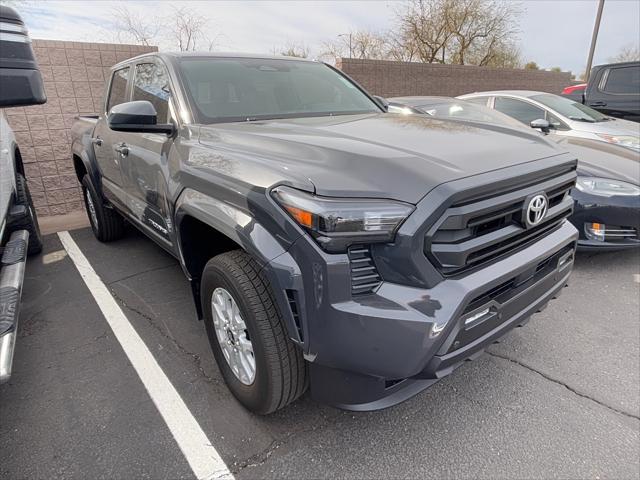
(151, 83)
(556, 122)
(117, 93)
(523, 111)
(623, 80)
(466, 110)
(477, 100)
(241, 89)
(568, 108)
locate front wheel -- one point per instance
(260, 364)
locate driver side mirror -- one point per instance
(139, 116)
(541, 124)
(384, 104)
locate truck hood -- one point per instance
(601, 159)
(376, 155)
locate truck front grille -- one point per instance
(364, 274)
(477, 230)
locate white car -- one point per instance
(564, 116)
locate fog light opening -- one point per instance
(595, 231)
(476, 317)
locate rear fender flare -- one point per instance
(85, 153)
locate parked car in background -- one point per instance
(607, 193)
(575, 92)
(20, 84)
(565, 117)
(614, 89)
(328, 243)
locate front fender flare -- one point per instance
(229, 220)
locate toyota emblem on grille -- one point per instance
(536, 210)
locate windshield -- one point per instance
(469, 111)
(245, 89)
(570, 109)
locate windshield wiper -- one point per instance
(582, 119)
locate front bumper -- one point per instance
(618, 211)
(374, 351)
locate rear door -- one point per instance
(107, 143)
(617, 92)
(145, 169)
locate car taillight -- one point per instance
(574, 88)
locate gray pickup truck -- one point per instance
(327, 242)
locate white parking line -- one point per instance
(202, 456)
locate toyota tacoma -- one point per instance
(328, 242)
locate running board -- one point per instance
(12, 267)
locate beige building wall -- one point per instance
(394, 79)
(74, 74)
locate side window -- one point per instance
(151, 83)
(523, 111)
(118, 88)
(556, 123)
(478, 100)
(623, 80)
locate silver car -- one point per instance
(560, 114)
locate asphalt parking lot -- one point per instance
(558, 398)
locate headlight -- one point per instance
(606, 187)
(336, 223)
(628, 141)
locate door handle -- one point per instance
(598, 104)
(123, 150)
(97, 141)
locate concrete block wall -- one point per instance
(74, 74)
(392, 79)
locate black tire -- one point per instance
(30, 221)
(106, 223)
(281, 374)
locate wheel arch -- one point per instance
(206, 227)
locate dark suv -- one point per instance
(326, 240)
(614, 89)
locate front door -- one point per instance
(145, 168)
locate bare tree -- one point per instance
(293, 49)
(131, 27)
(423, 30)
(363, 44)
(628, 53)
(187, 28)
(476, 32)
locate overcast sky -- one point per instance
(552, 32)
